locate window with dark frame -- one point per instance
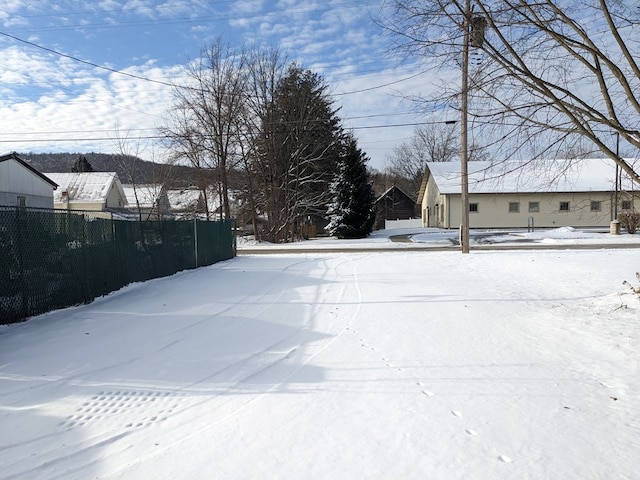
(625, 205)
(596, 206)
(514, 207)
(473, 208)
(564, 206)
(534, 207)
(22, 201)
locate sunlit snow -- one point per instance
(403, 363)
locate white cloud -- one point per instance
(247, 6)
(337, 40)
(98, 105)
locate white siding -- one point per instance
(18, 181)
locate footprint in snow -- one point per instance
(456, 413)
(504, 459)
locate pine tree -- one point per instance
(82, 165)
(352, 213)
(297, 153)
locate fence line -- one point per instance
(51, 259)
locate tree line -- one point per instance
(249, 110)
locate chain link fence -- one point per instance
(50, 259)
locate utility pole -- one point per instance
(474, 29)
(464, 152)
(618, 186)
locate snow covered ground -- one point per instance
(397, 364)
(435, 238)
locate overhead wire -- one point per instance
(160, 137)
(86, 62)
(166, 83)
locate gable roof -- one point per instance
(183, 199)
(147, 194)
(566, 176)
(390, 189)
(14, 156)
(191, 198)
(86, 186)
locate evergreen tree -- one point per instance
(352, 213)
(82, 165)
(297, 153)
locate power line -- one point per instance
(86, 62)
(384, 85)
(160, 82)
(161, 137)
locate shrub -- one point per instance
(630, 221)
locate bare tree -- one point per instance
(129, 150)
(559, 70)
(203, 125)
(266, 67)
(429, 143)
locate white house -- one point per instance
(22, 185)
(92, 191)
(190, 202)
(148, 199)
(541, 193)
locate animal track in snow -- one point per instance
(426, 393)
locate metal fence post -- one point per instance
(23, 276)
(195, 239)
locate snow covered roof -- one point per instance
(189, 199)
(183, 199)
(147, 194)
(84, 186)
(584, 175)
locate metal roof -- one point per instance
(549, 176)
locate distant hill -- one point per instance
(130, 169)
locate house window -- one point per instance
(22, 201)
(596, 206)
(473, 208)
(625, 205)
(534, 207)
(564, 206)
(514, 207)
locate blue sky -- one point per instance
(47, 98)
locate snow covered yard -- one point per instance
(386, 365)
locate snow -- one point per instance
(143, 196)
(403, 363)
(188, 199)
(83, 186)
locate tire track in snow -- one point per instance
(156, 339)
(136, 409)
(260, 363)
